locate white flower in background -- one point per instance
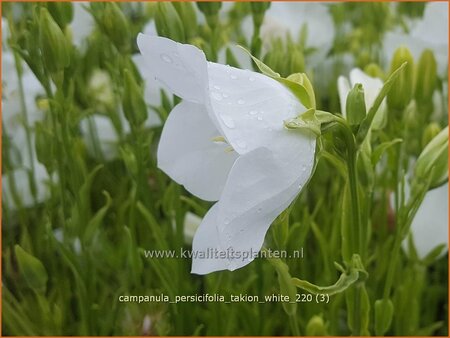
(190, 226)
(13, 123)
(291, 17)
(372, 87)
(226, 142)
(430, 225)
(430, 32)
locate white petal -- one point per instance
(343, 90)
(430, 225)
(182, 68)
(258, 189)
(189, 155)
(206, 246)
(250, 107)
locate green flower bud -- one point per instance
(115, 26)
(211, 12)
(297, 62)
(402, 90)
(45, 146)
(384, 311)
(430, 132)
(316, 327)
(188, 16)
(62, 12)
(355, 105)
(54, 46)
(168, 22)
(434, 160)
(32, 270)
(129, 159)
(258, 10)
(426, 77)
(133, 103)
(372, 69)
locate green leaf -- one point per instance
(287, 287)
(344, 282)
(95, 222)
(367, 122)
(32, 270)
(381, 148)
(384, 311)
(300, 91)
(435, 253)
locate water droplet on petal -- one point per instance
(253, 112)
(228, 121)
(216, 95)
(216, 87)
(303, 168)
(227, 221)
(251, 79)
(166, 58)
(259, 210)
(225, 95)
(233, 77)
(241, 101)
(260, 118)
(300, 186)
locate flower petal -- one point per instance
(430, 225)
(206, 246)
(188, 154)
(343, 90)
(182, 68)
(250, 107)
(258, 189)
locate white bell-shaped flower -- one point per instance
(226, 142)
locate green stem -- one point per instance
(294, 325)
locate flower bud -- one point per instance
(373, 70)
(133, 103)
(258, 10)
(297, 62)
(45, 146)
(53, 44)
(129, 158)
(32, 270)
(355, 105)
(316, 327)
(401, 92)
(115, 26)
(434, 160)
(168, 22)
(62, 12)
(188, 16)
(430, 132)
(426, 77)
(211, 12)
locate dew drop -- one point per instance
(227, 221)
(216, 87)
(216, 95)
(251, 79)
(228, 121)
(225, 95)
(166, 58)
(233, 77)
(240, 101)
(260, 118)
(303, 168)
(259, 210)
(253, 112)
